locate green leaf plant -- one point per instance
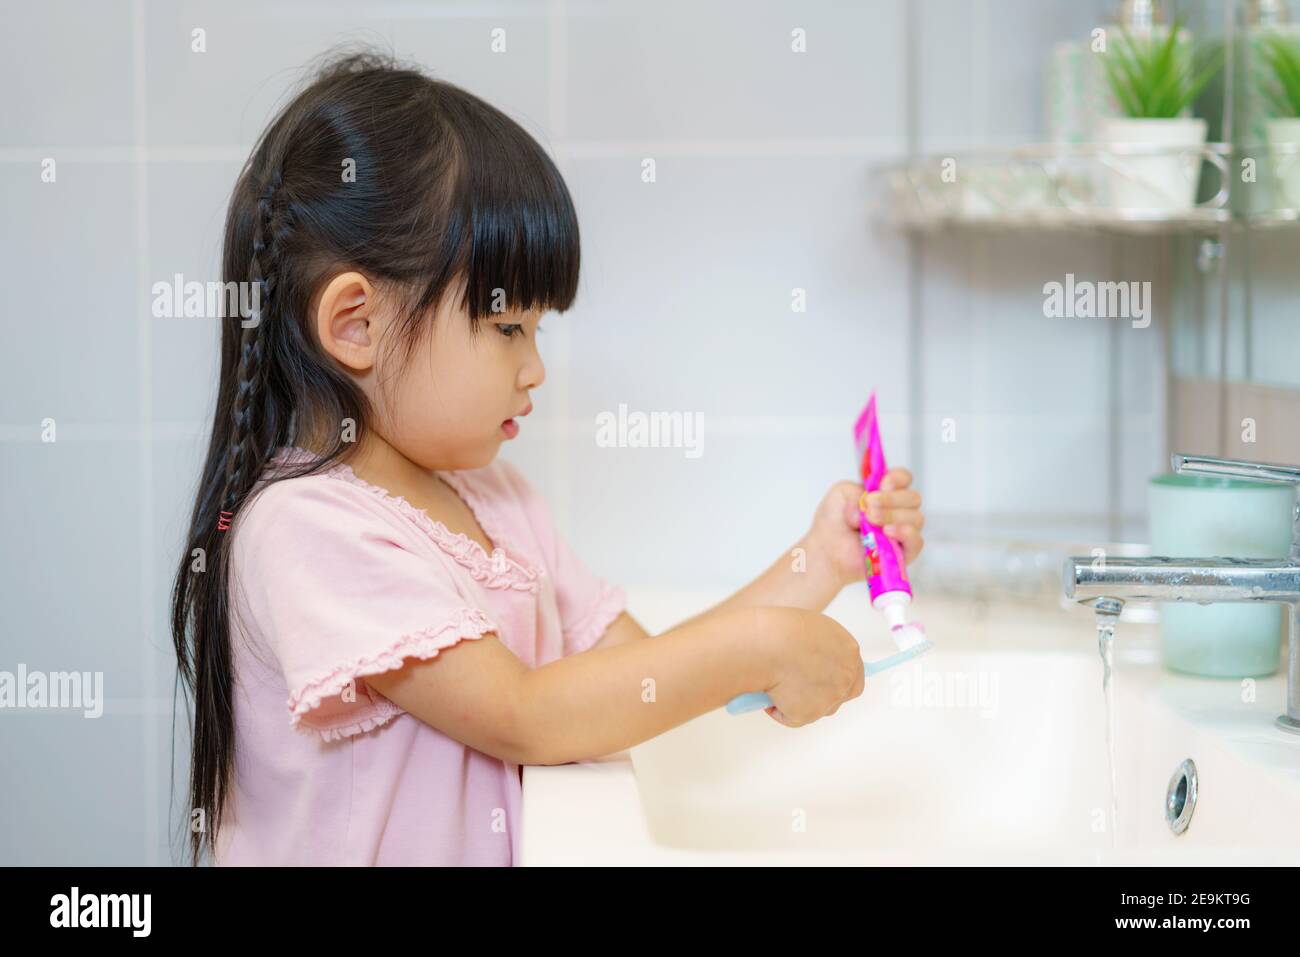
(1282, 54)
(1155, 78)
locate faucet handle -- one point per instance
(1238, 468)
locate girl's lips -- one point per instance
(510, 427)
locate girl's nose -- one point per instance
(533, 372)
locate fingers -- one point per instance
(896, 478)
(851, 510)
(894, 493)
(903, 525)
(909, 537)
(897, 512)
(859, 683)
(900, 498)
(775, 714)
(901, 507)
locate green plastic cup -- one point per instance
(1203, 516)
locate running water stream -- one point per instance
(1107, 612)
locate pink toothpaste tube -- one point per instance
(887, 583)
(883, 564)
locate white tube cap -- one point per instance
(893, 604)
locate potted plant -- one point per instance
(1154, 160)
(1282, 54)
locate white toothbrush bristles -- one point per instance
(909, 636)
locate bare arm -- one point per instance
(622, 629)
(603, 700)
(803, 577)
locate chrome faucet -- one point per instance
(1208, 580)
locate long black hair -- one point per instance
(447, 195)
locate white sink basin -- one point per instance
(989, 749)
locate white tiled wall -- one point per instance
(763, 186)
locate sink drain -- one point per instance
(1180, 798)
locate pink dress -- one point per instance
(334, 579)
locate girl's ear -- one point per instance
(348, 322)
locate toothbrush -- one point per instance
(882, 561)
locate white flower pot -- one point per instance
(1155, 165)
(1284, 149)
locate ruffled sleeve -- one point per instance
(588, 603)
(339, 592)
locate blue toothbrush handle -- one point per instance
(754, 700)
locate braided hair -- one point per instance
(449, 194)
(244, 458)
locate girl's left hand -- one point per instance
(896, 507)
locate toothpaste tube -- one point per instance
(882, 558)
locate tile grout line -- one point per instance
(914, 255)
(146, 445)
(556, 105)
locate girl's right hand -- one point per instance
(818, 666)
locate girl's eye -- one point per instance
(510, 330)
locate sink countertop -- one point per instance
(590, 813)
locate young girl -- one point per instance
(375, 615)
